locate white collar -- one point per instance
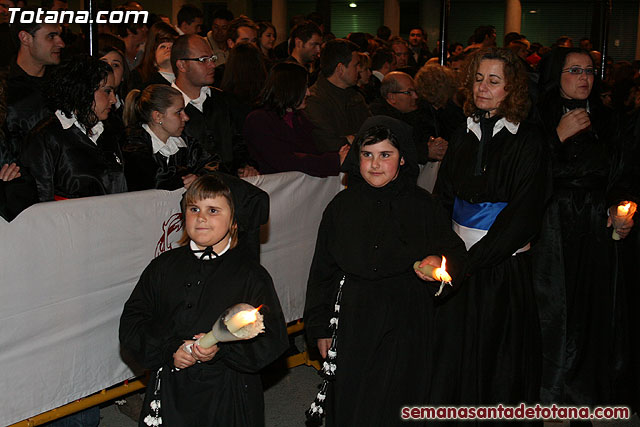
(474, 127)
(179, 31)
(378, 74)
(197, 102)
(67, 122)
(170, 77)
(169, 148)
(195, 250)
(118, 102)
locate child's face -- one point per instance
(208, 222)
(380, 163)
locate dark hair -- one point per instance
(188, 13)
(360, 39)
(241, 21)
(563, 39)
(209, 187)
(453, 46)
(336, 52)
(123, 29)
(304, 31)
(76, 81)
(285, 87)
(512, 36)
(108, 43)
(416, 27)
(384, 32)
(381, 57)
(481, 32)
(139, 105)
(264, 26)
(180, 49)
(316, 18)
(374, 135)
(515, 106)
(159, 33)
(245, 72)
(17, 26)
(222, 14)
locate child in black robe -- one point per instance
(371, 234)
(179, 297)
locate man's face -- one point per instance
(198, 73)
(415, 37)
(246, 35)
(350, 73)
(4, 11)
(310, 50)
(404, 99)
(59, 5)
(219, 29)
(193, 28)
(401, 53)
(46, 46)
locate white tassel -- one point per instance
(334, 321)
(337, 308)
(332, 354)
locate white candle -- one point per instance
(437, 273)
(240, 320)
(623, 210)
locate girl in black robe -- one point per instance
(155, 155)
(74, 153)
(493, 182)
(179, 297)
(578, 274)
(371, 234)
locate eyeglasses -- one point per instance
(576, 71)
(406, 92)
(204, 60)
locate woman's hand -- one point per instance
(437, 148)
(324, 344)
(344, 150)
(187, 180)
(203, 354)
(9, 172)
(625, 227)
(182, 359)
(247, 171)
(573, 122)
(432, 260)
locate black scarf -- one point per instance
(486, 133)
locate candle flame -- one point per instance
(443, 265)
(258, 309)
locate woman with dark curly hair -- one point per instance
(279, 135)
(72, 153)
(493, 182)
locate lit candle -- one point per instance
(245, 324)
(624, 212)
(437, 273)
(240, 320)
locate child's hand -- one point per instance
(188, 179)
(203, 354)
(432, 260)
(182, 358)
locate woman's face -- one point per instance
(364, 74)
(380, 163)
(268, 38)
(304, 100)
(576, 86)
(488, 88)
(174, 118)
(115, 60)
(163, 55)
(104, 98)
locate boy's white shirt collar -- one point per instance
(474, 127)
(197, 102)
(67, 122)
(171, 147)
(195, 249)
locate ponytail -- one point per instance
(139, 105)
(131, 108)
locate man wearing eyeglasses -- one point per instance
(399, 100)
(212, 120)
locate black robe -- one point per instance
(145, 170)
(489, 337)
(218, 128)
(579, 277)
(178, 296)
(66, 163)
(373, 236)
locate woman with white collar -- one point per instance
(155, 154)
(493, 181)
(72, 153)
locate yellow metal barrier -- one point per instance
(140, 383)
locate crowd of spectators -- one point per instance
(161, 103)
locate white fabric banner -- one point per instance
(68, 267)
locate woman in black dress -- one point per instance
(370, 236)
(493, 182)
(583, 311)
(155, 154)
(72, 153)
